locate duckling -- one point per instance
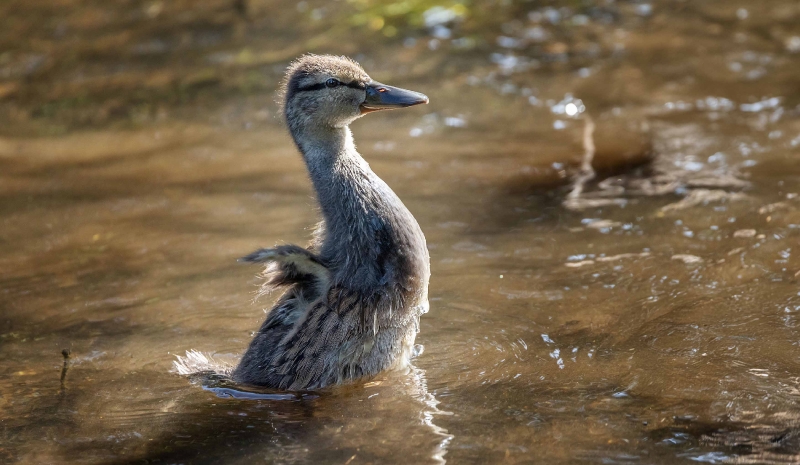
(353, 298)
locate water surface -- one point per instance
(651, 319)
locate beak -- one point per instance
(383, 97)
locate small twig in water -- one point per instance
(65, 353)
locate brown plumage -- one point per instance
(353, 299)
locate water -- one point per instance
(651, 319)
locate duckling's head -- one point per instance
(325, 91)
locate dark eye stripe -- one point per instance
(321, 85)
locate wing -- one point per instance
(288, 265)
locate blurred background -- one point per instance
(609, 190)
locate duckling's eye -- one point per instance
(331, 83)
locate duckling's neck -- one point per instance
(368, 232)
(327, 150)
(339, 174)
